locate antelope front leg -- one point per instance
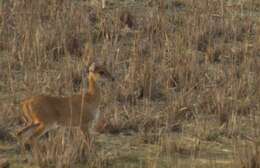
(87, 138)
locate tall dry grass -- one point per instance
(184, 67)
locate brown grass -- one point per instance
(187, 69)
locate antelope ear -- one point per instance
(92, 67)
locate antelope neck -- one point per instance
(93, 89)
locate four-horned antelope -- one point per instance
(44, 112)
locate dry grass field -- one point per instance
(187, 88)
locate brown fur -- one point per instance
(43, 112)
